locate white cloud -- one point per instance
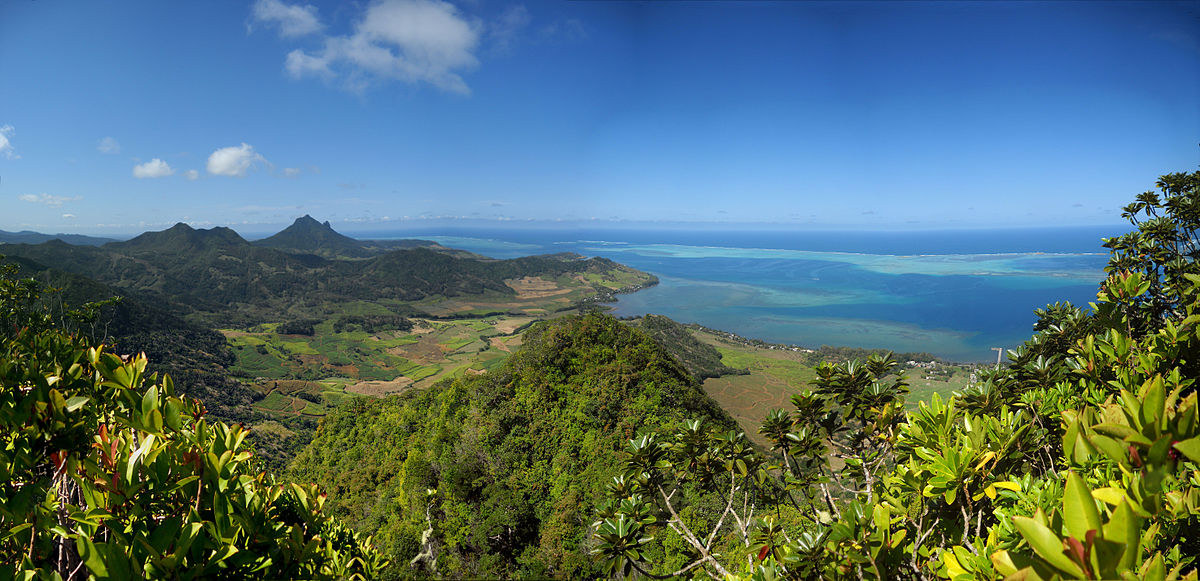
(413, 41)
(108, 145)
(68, 216)
(191, 175)
(293, 19)
(233, 161)
(155, 168)
(6, 146)
(47, 199)
(291, 172)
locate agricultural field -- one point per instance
(776, 374)
(306, 374)
(329, 366)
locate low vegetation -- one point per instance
(109, 475)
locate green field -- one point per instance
(776, 374)
(470, 335)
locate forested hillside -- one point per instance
(217, 278)
(501, 469)
(701, 360)
(108, 474)
(196, 357)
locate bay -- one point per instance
(955, 293)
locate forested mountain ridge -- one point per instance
(30, 237)
(501, 468)
(701, 360)
(195, 356)
(217, 277)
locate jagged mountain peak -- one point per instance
(309, 235)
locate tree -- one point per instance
(1163, 250)
(107, 474)
(1081, 459)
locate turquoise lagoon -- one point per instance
(956, 294)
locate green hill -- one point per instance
(216, 277)
(196, 357)
(702, 360)
(517, 457)
(30, 237)
(308, 236)
(313, 237)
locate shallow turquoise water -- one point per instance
(954, 294)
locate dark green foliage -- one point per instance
(107, 474)
(700, 359)
(1163, 249)
(300, 327)
(371, 323)
(215, 277)
(195, 356)
(502, 467)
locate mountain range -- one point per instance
(217, 278)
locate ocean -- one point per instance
(953, 293)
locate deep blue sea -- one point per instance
(953, 293)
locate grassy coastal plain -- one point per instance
(776, 372)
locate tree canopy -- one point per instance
(107, 474)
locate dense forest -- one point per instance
(501, 469)
(215, 277)
(592, 450)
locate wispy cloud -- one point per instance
(293, 20)
(413, 41)
(291, 172)
(567, 30)
(6, 146)
(47, 199)
(191, 175)
(155, 168)
(508, 27)
(234, 161)
(109, 146)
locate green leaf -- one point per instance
(150, 400)
(154, 421)
(77, 402)
(172, 417)
(1110, 495)
(1190, 448)
(1079, 509)
(1153, 399)
(1125, 527)
(1112, 448)
(90, 556)
(1046, 544)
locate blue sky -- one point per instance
(118, 117)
